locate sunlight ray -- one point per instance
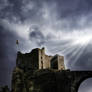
(80, 53)
(59, 42)
(75, 52)
(70, 50)
(62, 48)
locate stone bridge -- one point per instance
(77, 78)
(60, 81)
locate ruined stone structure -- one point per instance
(37, 59)
(38, 72)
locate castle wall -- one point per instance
(28, 60)
(40, 60)
(57, 62)
(47, 63)
(37, 59)
(44, 60)
(61, 63)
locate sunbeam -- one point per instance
(60, 47)
(80, 53)
(76, 51)
(70, 50)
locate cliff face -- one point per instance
(44, 80)
(39, 81)
(18, 80)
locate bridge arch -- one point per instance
(76, 84)
(86, 86)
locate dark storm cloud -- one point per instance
(70, 10)
(73, 11)
(7, 12)
(65, 8)
(37, 37)
(7, 55)
(3, 4)
(31, 9)
(73, 8)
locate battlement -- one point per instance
(37, 59)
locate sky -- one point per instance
(61, 26)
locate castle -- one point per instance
(37, 59)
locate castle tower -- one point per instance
(57, 62)
(44, 60)
(28, 61)
(41, 58)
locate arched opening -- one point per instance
(86, 86)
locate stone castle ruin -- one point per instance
(38, 72)
(37, 59)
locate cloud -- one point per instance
(7, 55)
(74, 8)
(3, 4)
(37, 37)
